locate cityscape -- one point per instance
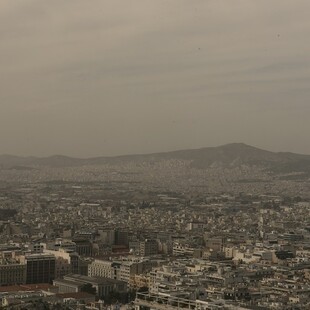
(130, 235)
(154, 155)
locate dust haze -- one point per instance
(89, 78)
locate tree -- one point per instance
(88, 288)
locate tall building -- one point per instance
(40, 268)
(148, 247)
(84, 247)
(121, 238)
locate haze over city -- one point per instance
(154, 155)
(95, 78)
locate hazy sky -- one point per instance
(105, 77)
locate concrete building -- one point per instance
(103, 286)
(62, 263)
(12, 272)
(102, 268)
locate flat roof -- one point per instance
(93, 280)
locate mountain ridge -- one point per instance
(232, 154)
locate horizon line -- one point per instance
(143, 154)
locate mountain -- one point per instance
(10, 161)
(229, 155)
